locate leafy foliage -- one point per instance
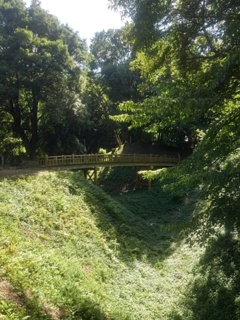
(189, 67)
(41, 60)
(111, 74)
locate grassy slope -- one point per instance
(70, 251)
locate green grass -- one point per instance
(70, 251)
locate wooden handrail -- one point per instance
(107, 159)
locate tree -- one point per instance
(191, 79)
(101, 130)
(111, 64)
(65, 120)
(112, 55)
(39, 59)
(190, 66)
(10, 147)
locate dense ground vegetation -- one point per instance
(70, 251)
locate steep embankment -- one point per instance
(69, 251)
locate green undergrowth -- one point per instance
(68, 250)
(158, 207)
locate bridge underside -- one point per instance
(91, 172)
(104, 165)
(96, 161)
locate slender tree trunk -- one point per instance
(30, 138)
(34, 127)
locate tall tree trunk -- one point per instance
(34, 126)
(29, 138)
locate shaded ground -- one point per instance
(116, 181)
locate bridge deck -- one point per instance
(106, 160)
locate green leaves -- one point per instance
(188, 60)
(41, 61)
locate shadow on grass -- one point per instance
(117, 180)
(20, 305)
(26, 306)
(215, 291)
(138, 224)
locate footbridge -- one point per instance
(85, 161)
(90, 163)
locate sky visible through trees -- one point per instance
(85, 16)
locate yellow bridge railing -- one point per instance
(88, 160)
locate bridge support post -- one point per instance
(149, 185)
(140, 181)
(85, 173)
(91, 174)
(95, 175)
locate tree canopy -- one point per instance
(188, 59)
(42, 64)
(189, 63)
(111, 82)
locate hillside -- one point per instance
(69, 251)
